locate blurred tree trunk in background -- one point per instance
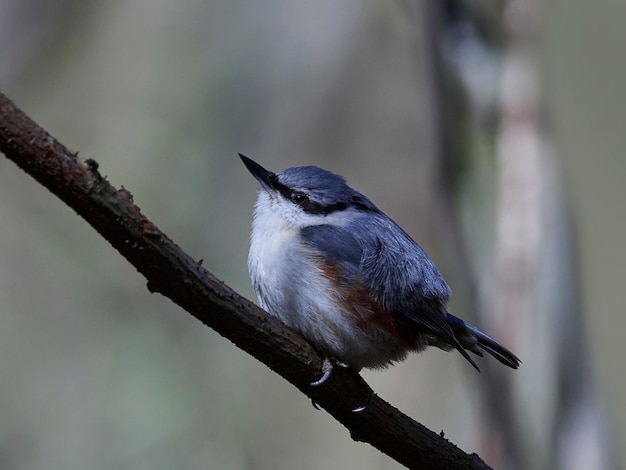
(523, 287)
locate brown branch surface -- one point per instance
(174, 274)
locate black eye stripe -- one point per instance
(312, 207)
(286, 192)
(302, 200)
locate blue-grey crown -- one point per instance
(324, 192)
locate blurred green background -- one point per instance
(98, 373)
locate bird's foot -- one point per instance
(327, 368)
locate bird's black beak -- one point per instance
(261, 174)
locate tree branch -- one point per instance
(174, 274)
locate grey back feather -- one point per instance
(374, 250)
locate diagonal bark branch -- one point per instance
(174, 274)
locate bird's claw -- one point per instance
(327, 368)
(367, 403)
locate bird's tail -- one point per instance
(474, 340)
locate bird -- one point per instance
(331, 265)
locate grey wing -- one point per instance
(335, 244)
(395, 269)
(404, 280)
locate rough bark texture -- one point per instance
(174, 274)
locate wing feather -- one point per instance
(377, 253)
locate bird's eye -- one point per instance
(298, 198)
